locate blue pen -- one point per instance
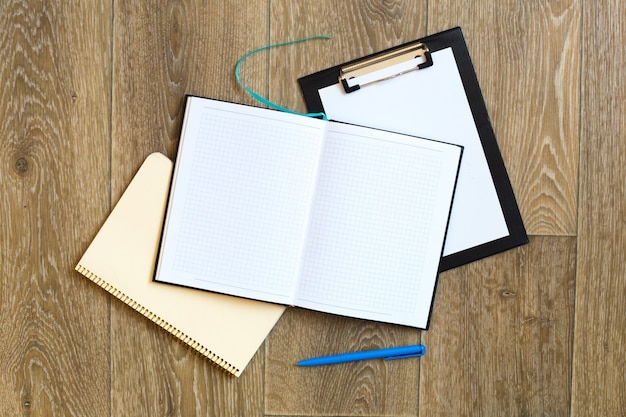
(386, 354)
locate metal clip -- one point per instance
(404, 59)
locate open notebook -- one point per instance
(227, 330)
(299, 211)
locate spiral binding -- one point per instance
(197, 347)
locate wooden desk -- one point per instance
(88, 90)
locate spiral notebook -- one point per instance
(227, 330)
(317, 214)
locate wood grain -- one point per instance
(163, 51)
(527, 58)
(89, 89)
(360, 388)
(500, 341)
(599, 379)
(53, 170)
(357, 28)
(166, 50)
(153, 374)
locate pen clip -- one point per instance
(410, 355)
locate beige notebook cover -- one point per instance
(121, 258)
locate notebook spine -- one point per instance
(197, 347)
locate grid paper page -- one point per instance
(376, 227)
(243, 192)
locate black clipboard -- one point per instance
(400, 89)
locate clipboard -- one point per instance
(428, 88)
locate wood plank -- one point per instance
(599, 377)
(161, 53)
(527, 58)
(367, 388)
(501, 336)
(167, 51)
(54, 107)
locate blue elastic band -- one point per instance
(264, 100)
